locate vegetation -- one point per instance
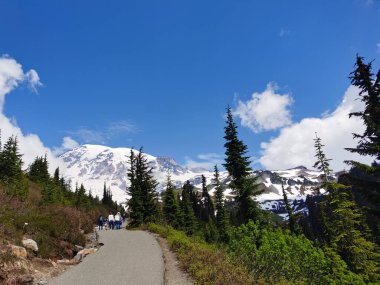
(206, 263)
(143, 205)
(237, 164)
(36, 205)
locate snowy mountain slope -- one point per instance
(93, 165)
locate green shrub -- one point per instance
(205, 263)
(277, 255)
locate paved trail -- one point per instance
(127, 257)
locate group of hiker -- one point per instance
(112, 222)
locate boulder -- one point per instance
(78, 258)
(18, 251)
(31, 244)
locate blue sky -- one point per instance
(160, 74)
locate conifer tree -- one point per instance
(80, 197)
(322, 163)
(344, 226)
(208, 211)
(289, 210)
(222, 216)
(143, 204)
(11, 174)
(369, 141)
(189, 220)
(365, 179)
(238, 166)
(39, 170)
(11, 162)
(56, 176)
(170, 207)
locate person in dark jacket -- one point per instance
(100, 222)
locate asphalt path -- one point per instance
(127, 257)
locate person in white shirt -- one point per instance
(118, 221)
(111, 221)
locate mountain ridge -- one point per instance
(94, 165)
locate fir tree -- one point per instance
(56, 176)
(170, 207)
(39, 170)
(238, 166)
(289, 210)
(322, 163)
(11, 174)
(222, 215)
(11, 162)
(365, 179)
(208, 211)
(80, 197)
(369, 141)
(189, 220)
(344, 227)
(143, 204)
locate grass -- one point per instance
(205, 263)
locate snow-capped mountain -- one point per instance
(94, 165)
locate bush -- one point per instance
(205, 263)
(276, 255)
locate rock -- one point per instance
(18, 251)
(31, 244)
(25, 279)
(42, 282)
(67, 261)
(88, 251)
(78, 258)
(78, 247)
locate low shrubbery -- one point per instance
(54, 228)
(204, 262)
(277, 255)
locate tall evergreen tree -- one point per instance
(56, 176)
(143, 204)
(365, 179)
(369, 141)
(11, 174)
(289, 210)
(222, 216)
(39, 170)
(238, 166)
(11, 162)
(322, 163)
(80, 199)
(170, 207)
(189, 220)
(345, 229)
(207, 210)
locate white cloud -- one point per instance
(204, 161)
(294, 145)
(265, 111)
(12, 76)
(103, 135)
(86, 135)
(378, 47)
(67, 144)
(117, 128)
